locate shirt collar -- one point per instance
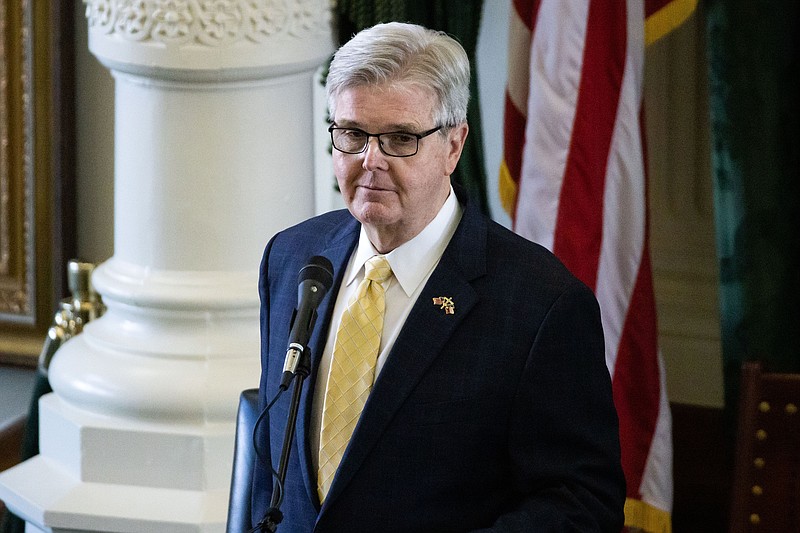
(414, 260)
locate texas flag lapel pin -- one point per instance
(446, 303)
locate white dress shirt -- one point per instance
(412, 264)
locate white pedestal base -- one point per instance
(125, 479)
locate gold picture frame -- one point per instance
(36, 170)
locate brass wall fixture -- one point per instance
(74, 312)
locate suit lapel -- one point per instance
(338, 252)
(426, 332)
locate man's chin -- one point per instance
(372, 213)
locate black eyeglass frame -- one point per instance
(419, 137)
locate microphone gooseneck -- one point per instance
(314, 281)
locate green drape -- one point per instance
(459, 18)
(754, 95)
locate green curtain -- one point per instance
(753, 60)
(459, 18)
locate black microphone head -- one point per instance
(318, 269)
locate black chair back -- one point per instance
(766, 485)
(244, 457)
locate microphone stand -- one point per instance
(274, 516)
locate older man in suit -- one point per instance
(479, 399)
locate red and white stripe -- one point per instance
(575, 181)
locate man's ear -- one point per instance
(456, 138)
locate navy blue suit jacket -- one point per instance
(498, 417)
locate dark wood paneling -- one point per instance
(702, 470)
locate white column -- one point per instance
(213, 155)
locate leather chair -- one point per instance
(244, 458)
(766, 485)
(12, 433)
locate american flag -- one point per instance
(574, 180)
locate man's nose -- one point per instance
(373, 157)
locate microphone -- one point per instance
(314, 280)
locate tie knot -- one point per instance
(377, 269)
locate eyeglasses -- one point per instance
(393, 143)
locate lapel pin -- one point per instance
(446, 303)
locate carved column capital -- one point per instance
(210, 38)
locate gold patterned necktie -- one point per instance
(352, 369)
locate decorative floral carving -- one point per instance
(133, 19)
(220, 21)
(171, 20)
(265, 19)
(208, 22)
